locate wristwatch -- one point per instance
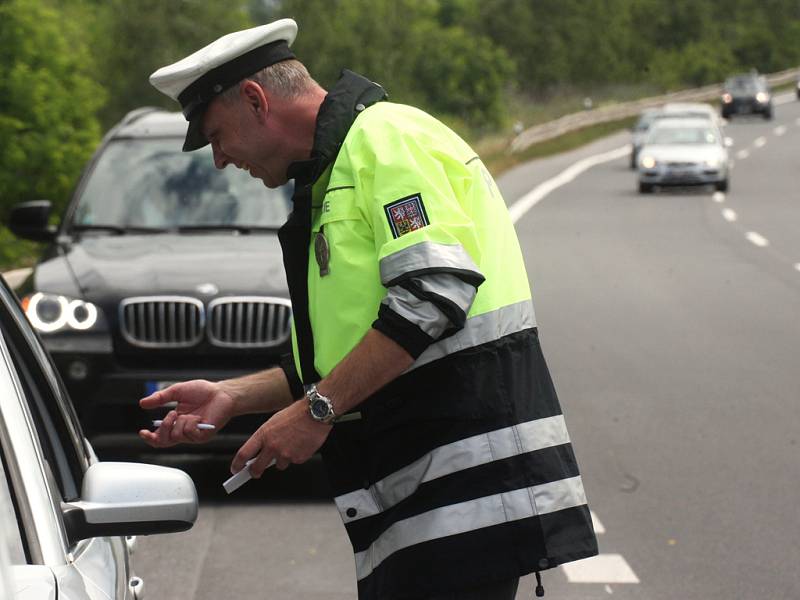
(319, 406)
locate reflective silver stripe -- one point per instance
(471, 516)
(457, 456)
(425, 314)
(482, 329)
(426, 255)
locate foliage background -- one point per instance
(70, 69)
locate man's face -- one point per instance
(238, 137)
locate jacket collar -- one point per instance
(343, 103)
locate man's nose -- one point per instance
(220, 159)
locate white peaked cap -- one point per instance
(197, 79)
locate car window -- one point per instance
(151, 183)
(645, 121)
(680, 135)
(743, 85)
(56, 424)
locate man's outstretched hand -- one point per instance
(198, 401)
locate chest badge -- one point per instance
(322, 252)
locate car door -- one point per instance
(46, 456)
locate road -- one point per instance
(670, 323)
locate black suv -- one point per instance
(746, 94)
(163, 269)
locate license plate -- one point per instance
(151, 387)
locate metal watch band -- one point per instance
(314, 397)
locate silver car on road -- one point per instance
(67, 521)
(684, 152)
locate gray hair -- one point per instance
(287, 79)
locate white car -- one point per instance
(683, 152)
(67, 521)
(671, 110)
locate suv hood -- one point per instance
(107, 267)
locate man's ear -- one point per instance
(254, 98)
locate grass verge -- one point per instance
(498, 158)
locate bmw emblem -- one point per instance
(209, 289)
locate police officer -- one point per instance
(416, 367)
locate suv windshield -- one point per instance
(151, 184)
(743, 85)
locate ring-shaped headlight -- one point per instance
(81, 315)
(52, 312)
(39, 306)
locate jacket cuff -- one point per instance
(295, 384)
(405, 333)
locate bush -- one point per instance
(48, 102)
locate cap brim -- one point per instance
(194, 135)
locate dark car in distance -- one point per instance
(746, 94)
(163, 269)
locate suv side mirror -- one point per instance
(119, 499)
(29, 220)
(728, 142)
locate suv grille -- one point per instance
(248, 321)
(162, 321)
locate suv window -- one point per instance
(744, 85)
(151, 183)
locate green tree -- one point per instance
(48, 101)
(403, 45)
(133, 38)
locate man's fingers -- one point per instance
(150, 438)
(165, 431)
(186, 427)
(248, 450)
(156, 399)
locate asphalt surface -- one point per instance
(673, 336)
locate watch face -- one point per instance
(319, 408)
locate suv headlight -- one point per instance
(712, 163)
(762, 97)
(727, 98)
(52, 312)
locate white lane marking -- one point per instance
(797, 266)
(779, 130)
(757, 239)
(797, 121)
(760, 142)
(608, 589)
(598, 526)
(742, 154)
(604, 568)
(729, 215)
(532, 198)
(719, 197)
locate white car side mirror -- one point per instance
(119, 499)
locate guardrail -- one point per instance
(615, 112)
(16, 277)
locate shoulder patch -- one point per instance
(406, 214)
